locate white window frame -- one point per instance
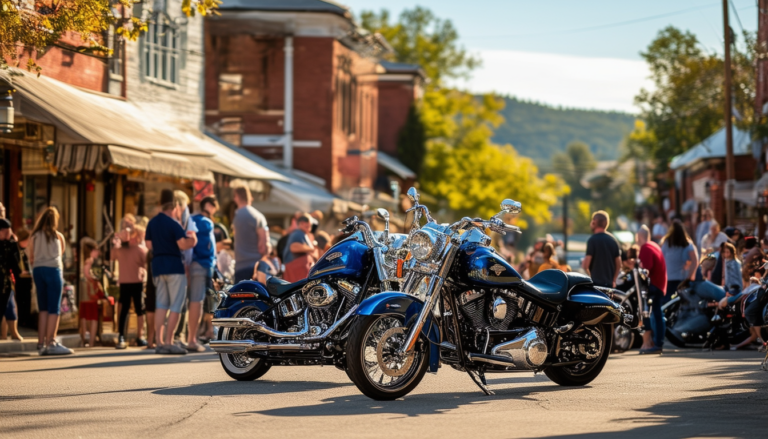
(162, 50)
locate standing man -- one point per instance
(703, 228)
(167, 239)
(652, 260)
(603, 259)
(300, 251)
(251, 234)
(201, 268)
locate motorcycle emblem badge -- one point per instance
(498, 269)
(333, 256)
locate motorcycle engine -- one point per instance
(494, 309)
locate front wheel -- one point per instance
(583, 373)
(373, 361)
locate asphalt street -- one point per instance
(135, 393)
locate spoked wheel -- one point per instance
(373, 361)
(242, 367)
(583, 373)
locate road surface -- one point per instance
(136, 394)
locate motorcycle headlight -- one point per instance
(422, 245)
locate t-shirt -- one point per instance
(189, 226)
(710, 242)
(676, 258)
(659, 229)
(131, 260)
(204, 253)
(164, 232)
(247, 220)
(299, 236)
(652, 260)
(604, 250)
(701, 230)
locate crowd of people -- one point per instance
(164, 267)
(725, 264)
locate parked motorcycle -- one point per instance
(465, 306)
(632, 294)
(305, 322)
(693, 321)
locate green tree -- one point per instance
(419, 37)
(687, 104)
(411, 141)
(572, 165)
(28, 28)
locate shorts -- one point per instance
(11, 313)
(132, 293)
(89, 310)
(200, 280)
(50, 286)
(170, 291)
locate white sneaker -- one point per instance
(56, 349)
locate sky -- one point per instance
(581, 54)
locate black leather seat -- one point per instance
(277, 287)
(554, 285)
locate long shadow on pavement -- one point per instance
(250, 388)
(118, 360)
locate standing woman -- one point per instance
(680, 257)
(45, 258)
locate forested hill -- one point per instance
(538, 131)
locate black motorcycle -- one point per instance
(632, 294)
(305, 322)
(464, 306)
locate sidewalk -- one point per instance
(28, 347)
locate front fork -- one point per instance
(433, 293)
(642, 295)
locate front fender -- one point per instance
(408, 307)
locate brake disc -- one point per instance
(391, 363)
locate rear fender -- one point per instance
(590, 307)
(243, 294)
(407, 307)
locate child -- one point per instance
(132, 259)
(92, 291)
(731, 274)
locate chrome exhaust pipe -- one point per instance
(243, 346)
(245, 322)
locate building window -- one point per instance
(116, 61)
(162, 52)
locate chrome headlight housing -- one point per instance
(425, 245)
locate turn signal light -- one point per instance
(399, 272)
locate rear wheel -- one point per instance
(583, 373)
(373, 361)
(242, 367)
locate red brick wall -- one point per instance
(395, 99)
(73, 68)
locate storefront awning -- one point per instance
(130, 135)
(714, 147)
(394, 165)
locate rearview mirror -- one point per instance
(382, 213)
(413, 195)
(511, 206)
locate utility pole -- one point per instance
(565, 226)
(729, 165)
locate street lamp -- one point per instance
(6, 110)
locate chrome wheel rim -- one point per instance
(240, 363)
(384, 367)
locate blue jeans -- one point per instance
(656, 322)
(708, 290)
(50, 286)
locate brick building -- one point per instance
(297, 82)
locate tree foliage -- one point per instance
(687, 105)
(572, 165)
(29, 27)
(419, 37)
(411, 141)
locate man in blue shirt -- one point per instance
(167, 239)
(201, 268)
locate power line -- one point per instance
(733, 7)
(602, 26)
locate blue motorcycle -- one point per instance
(464, 306)
(305, 322)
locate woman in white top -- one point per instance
(45, 252)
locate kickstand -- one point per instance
(479, 378)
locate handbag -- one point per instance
(298, 268)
